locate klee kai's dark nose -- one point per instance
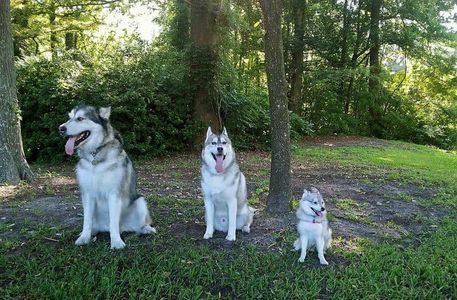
(323, 208)
(62, 129)
(220, 149)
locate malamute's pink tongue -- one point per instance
(219, 163)
(70, 145)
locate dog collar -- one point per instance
(314, 221)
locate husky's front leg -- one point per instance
(88, 207)
(209, 218)
(232, 207)
(115, 206)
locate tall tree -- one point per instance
(375, 67)
(280, 191)
(203, 55)
(13, 165)
(296, 82)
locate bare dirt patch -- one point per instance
(374, 208)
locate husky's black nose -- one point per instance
(220, 149)
(323, 208)
(62, 129)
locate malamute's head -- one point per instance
(312, 203)
(86, 127)
(217, 150)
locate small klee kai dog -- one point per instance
(312, 225)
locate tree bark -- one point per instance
(181, 24)
(297, 66)
(375, 67)
(53, 35)
(13, 165)
(70, 40)
(280, 191)
(203, 59)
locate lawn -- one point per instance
(392, 207)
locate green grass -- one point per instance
(401, 162)
(43, 262)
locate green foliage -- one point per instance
(149, 102)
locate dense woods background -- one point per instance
(378, 68)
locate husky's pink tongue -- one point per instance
(70, 146)
(219, 163)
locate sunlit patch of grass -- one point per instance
(353, 210)
(402, 162)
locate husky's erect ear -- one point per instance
(224, 132)
(209, 132)
(105, 112)
(305, 193)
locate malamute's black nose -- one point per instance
(62, 129)
(220, 149)
(323, 208)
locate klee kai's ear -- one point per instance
(224, 132)
(105, 112)
(314, 190)
(209, 132)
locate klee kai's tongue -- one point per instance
(219, 163)
(70, 146)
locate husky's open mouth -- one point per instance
(219, 162)
(75, 140)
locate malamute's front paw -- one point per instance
(301, 259)
(84, 239)
(117, 244)
(207, 235)
(323, 262)
(230, 237)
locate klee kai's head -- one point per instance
(312, 203)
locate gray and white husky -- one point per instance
(224, 188)
(312, 225)
(106, 177)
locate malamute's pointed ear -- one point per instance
(105, 112)
(224, 132)
(305, 193)
(71, 114)
(209, 132)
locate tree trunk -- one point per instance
(13, 165)
(53, 35)
(70, 40)
(180, 37)
(296, 84)
(203, 59)
(375, 68)
(280, 191)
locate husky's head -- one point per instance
(217, 150)
(312, 203)
(86, 127)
